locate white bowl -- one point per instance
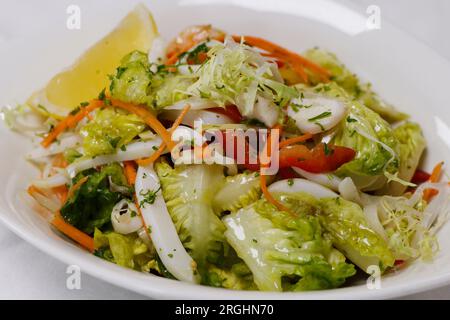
(403, 71)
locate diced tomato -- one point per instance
(398, 263)
(322, 158)
(230, 111)
(420, 177)
(287, 173)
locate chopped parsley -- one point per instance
(149, 197)
(290, 182)
(102, 94)
(75, 111)
(114, 141)
(323, 115)
(327, 150)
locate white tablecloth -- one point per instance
(27, 273)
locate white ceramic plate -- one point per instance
(35, 44)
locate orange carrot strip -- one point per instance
(59, 161)
(148, 118)
(130, 171)
(70, 121)
(284, 54)
(300, 71)
(32, 189)
(262, 179)
(298, 139)
(157, 154)
(73, 233)
(268, 195)
(172, 60)
(62, 193)
(428, 194)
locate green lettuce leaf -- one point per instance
(188, 192)
(411, 147)
(285, 252)
(237, 192)
(91, 205)
(109, 130)
(351, 234)
(375, 144)
(238, 277)
(132, 79)
(128, 251)
(345, 224)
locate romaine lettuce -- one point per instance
(345, 224)
(125, 250)
(375, 144)
(411, 146)
(139, 82)
(285, 252)
(109, 130)
(237, 192)
(188, 192)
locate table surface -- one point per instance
(27, 273)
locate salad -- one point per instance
(230, 161)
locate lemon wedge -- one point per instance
(89, 74)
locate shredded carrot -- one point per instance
(171, 61)
(61, 192)
(70, 121)
(162, 147)
(268, 195)
(33, 189)
(73, 233)
(130, 171)
(148, 118)
(59, 161)
(298, 139)
(300, 71)
(428, 194)
(262, 179)
(285, 55)
(76, 186)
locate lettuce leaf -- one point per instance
(128, 251)
(139, 82)
(375, 144)
(345, 225)
(411, 147)
(132, 79)
(237, 192)
(350, 233)
(109, 130)
(91, 205)
(285, 252)
(238, 277)
(188, 192)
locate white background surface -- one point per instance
(26, 273)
